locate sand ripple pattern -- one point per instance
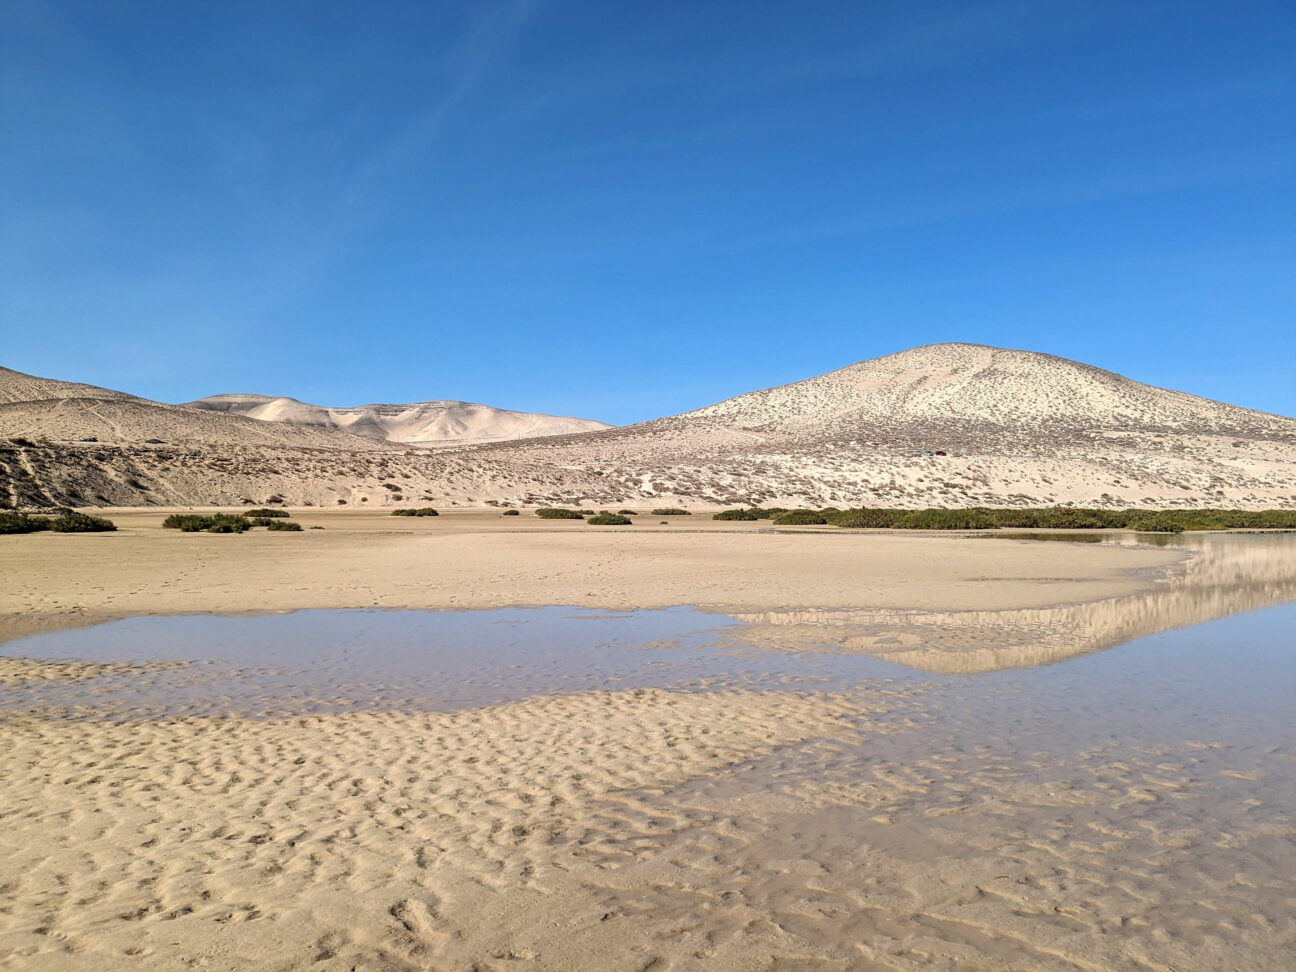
(634, 830)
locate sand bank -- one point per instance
(481, 559)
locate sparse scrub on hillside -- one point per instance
(558, 513)
(609, 519)
(419, 511)
(671, 511)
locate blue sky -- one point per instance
(626, 210)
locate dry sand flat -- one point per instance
(476, 560)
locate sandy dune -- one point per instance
(422, 423)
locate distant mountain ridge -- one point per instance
(433, 422)
(948, 425)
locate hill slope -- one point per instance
(972, 384)
(1017, 428)
(18, 387)
(438, 422)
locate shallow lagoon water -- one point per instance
(340, 660)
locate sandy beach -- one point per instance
(635, 829)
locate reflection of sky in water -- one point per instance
(332, 660)
(1210, 678)
(1234, 675)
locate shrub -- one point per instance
(672, 511)
(228, 524)
(421, 511)
(558, 513)
(211, 523)
(22, 523)
(266, 512)
(511, 513)
(284, 525)
(1064, 518)
(971, 519)
(610, 519)
(798, 518)
(627, 512)
(80, 523)
(734, 515)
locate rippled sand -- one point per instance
(633, 830)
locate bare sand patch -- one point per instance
(481, 559)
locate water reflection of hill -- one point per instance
(1229, 574)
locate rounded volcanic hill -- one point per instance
(978, 384)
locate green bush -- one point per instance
(610, 519)
(1063, 518)
(209, 522)
(672, 511)
(970, 519)
(558, 513)
(81, 523)
(512, 513)
(265, 512)
(66, 521)
(22, 523)
(798, 518)
(628, 512)
(421, 511)
(284, 525)
(735, 515)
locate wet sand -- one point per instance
(484, 560)
(896, 824)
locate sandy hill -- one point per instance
(973, 384)
(419, 423)
(127, 421)
(18, 387)
(1016, 427)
